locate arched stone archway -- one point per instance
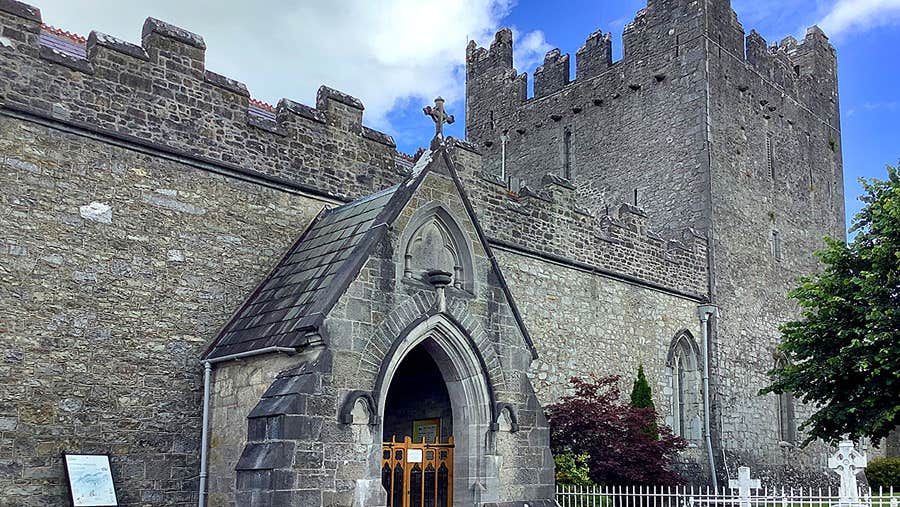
(470, 395)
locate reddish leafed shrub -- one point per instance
(594, 422)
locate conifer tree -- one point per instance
(642, 397)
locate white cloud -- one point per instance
(859, 15)
(529, 49)
(387, 53)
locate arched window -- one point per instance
(679, 381)
(787, 424)
(683, 372)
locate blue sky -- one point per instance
(397, 55)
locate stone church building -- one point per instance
(246, 304)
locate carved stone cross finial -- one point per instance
(847, 462)
(439, 116)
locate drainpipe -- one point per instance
(204, 432)
(704, 311)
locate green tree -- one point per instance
(642, 397)
(844, 351)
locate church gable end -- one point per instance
(371, 285)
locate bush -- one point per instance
(572, 469)
(884, 473)
(613, 435)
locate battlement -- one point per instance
(806, 69)
(662, 32)
(552, 75)
(550, 220)
(595, 56)
(633, 126)
(497, 58)
(161, 92)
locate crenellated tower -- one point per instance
(701, 127)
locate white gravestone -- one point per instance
(847, 462)
(744, 484)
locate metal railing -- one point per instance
(687, 496)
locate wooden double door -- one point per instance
(418, 474)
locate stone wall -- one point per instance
(584, 323)
(587, 324)
(118, 267)
(161, 93)
(236, 388)
(550, 221)
(776, 139)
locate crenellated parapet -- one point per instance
(549, 220)
(498, 58)
(805, 69)
(620, 127)
(161, 92)
(660, 34)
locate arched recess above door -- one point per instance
(433, 239)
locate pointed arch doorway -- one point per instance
(417, 453)
(435, 407)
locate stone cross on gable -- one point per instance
(847, 462)
(439, 116)
(744, 484)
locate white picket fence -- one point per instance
(648, 496)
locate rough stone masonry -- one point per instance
(145, 198)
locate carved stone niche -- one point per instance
(437, 243)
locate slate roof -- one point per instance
(294, 299)
(305, 283)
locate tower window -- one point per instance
(776, 245)
(770, 155)
(567, 154)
